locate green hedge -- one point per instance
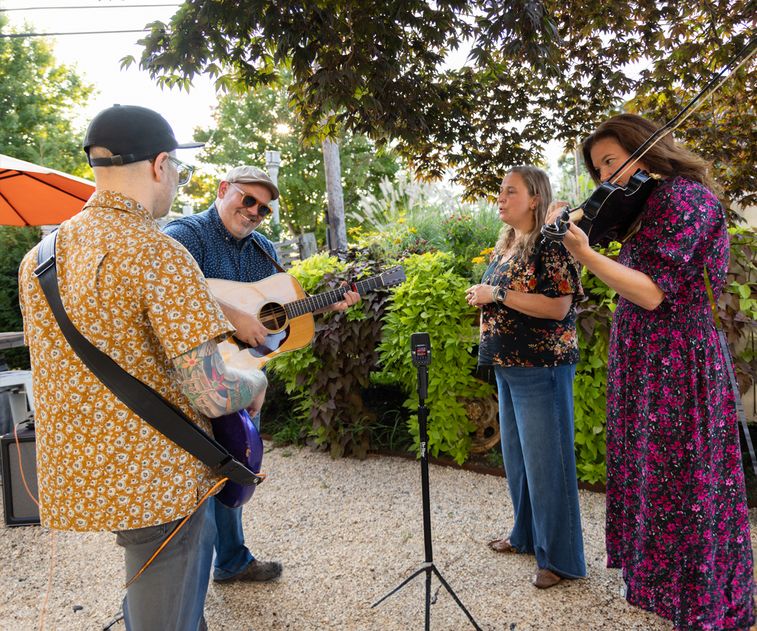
(365, 349)
(432, 300)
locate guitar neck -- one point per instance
(328, 298)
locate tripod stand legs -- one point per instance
(421, 348)
(430, 568)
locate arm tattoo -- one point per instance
(213, 388)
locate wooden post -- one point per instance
(333, 172)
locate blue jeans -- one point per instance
(170, 594)
(232, 556)
(536, 425)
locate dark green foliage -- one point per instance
(390, 430)
(347, 351)
(590, 386)
(327, 378)
(277, 419)
(737, 305)
(14, 244)
(333, 382)
(536, 71)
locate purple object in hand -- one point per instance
(239, 435)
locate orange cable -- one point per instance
(174, 531)
(51, 572)
(21, 467)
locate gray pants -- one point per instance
(170, 594)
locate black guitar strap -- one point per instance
(140, 398)
(268, 256)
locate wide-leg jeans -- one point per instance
(536, 425)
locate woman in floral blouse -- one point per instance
(677, 522)
(528, 333)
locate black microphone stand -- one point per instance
(428, 566)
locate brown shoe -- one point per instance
(502, 545)
(544, 579)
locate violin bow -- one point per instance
(743, 56)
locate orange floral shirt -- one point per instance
(138, 296)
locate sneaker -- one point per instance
(258, 571)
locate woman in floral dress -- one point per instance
(677, 522)
(528, 333)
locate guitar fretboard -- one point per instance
(328, 298)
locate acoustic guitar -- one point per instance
(283, 307)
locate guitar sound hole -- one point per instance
(273, 317)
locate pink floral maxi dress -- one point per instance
(677, 522)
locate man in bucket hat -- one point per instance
(139, 297)
(224, 241)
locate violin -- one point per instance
(609, 214)
(612, 211)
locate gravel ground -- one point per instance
(347, 533)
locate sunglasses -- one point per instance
(184, 170)
(248, 201)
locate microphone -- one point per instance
(420, 349)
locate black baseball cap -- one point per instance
(131, 133)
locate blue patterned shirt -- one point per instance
(218, 253)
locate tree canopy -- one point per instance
(536, 70)
(38, 97)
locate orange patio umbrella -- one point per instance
(33, 195)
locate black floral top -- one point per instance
(512, 338)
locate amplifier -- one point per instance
(19, 508)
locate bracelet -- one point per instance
(494, 293)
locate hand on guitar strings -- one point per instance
(350, 298)
(249, 329)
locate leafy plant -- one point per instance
(590, 386)
(39, 100)
(737, 305)
(536, 71)
(470, 237)
(326, 379)
(14, 244)
(432, 300)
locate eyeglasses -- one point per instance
(183, 170)
(248, 201)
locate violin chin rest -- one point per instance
(554, 231)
